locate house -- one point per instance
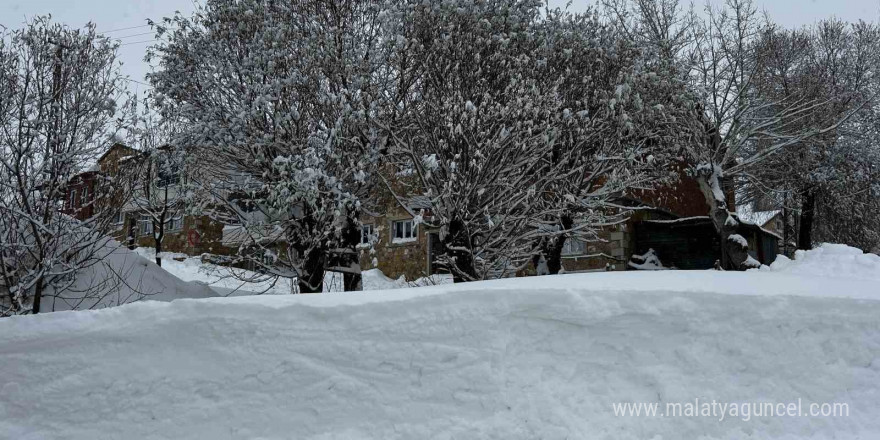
(184, 233)
(81, 194)
(395, 241)
(672, 220)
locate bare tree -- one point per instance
(57, 101)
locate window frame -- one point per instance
(570, 249)
(172, 220)
(145, 225)
(404, 237)
(367, 234)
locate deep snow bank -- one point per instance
(121, 277)
(830, 260)
(542, 357)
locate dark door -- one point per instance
(436, 249)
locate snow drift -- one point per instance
(831, 260)
(540, 357)
(120, 276)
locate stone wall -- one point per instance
(409, 259)
(207, 236)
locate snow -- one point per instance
(219, 278)
(224, 281)
(680, 220)
(398, 240)
(830, 260)
(649, 261)
(747, 215)
(739, 239)
(523, 358)
(122, 277)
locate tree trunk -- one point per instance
(132, 231)
(351, 237)
(808, 212)
(38, 296)
(158, 238)
(311, 279)
(734, 253)
(458, 251)
(553, 253)
(786, 221)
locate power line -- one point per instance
(138, 42)
(139, 82)
(135, 35)
(124, 29)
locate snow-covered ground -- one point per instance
(228, 281)
(540, 357)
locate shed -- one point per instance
(692, 243)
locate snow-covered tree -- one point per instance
(154, 177)
(476, 121)
(57, 103)
(834, 63)
(277, 100)
(614, 123)
(731, 127)
(847, 205)
(522, 129)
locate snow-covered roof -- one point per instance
(706, 218)
(681, 220)
(235, 235)
(746, 214)
(417, 202)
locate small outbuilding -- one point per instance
(693, 243)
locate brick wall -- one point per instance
(75, 204)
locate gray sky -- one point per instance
(110, 15)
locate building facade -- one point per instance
(398, 239)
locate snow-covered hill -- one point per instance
(541, 357)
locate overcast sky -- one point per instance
(112, 16)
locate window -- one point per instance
(403, 231)
(73, 198)
(573, 247)
(84, 198)
(366, 234)
(145, 225)
(119, 218)
(175, 223)
(168, 172)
